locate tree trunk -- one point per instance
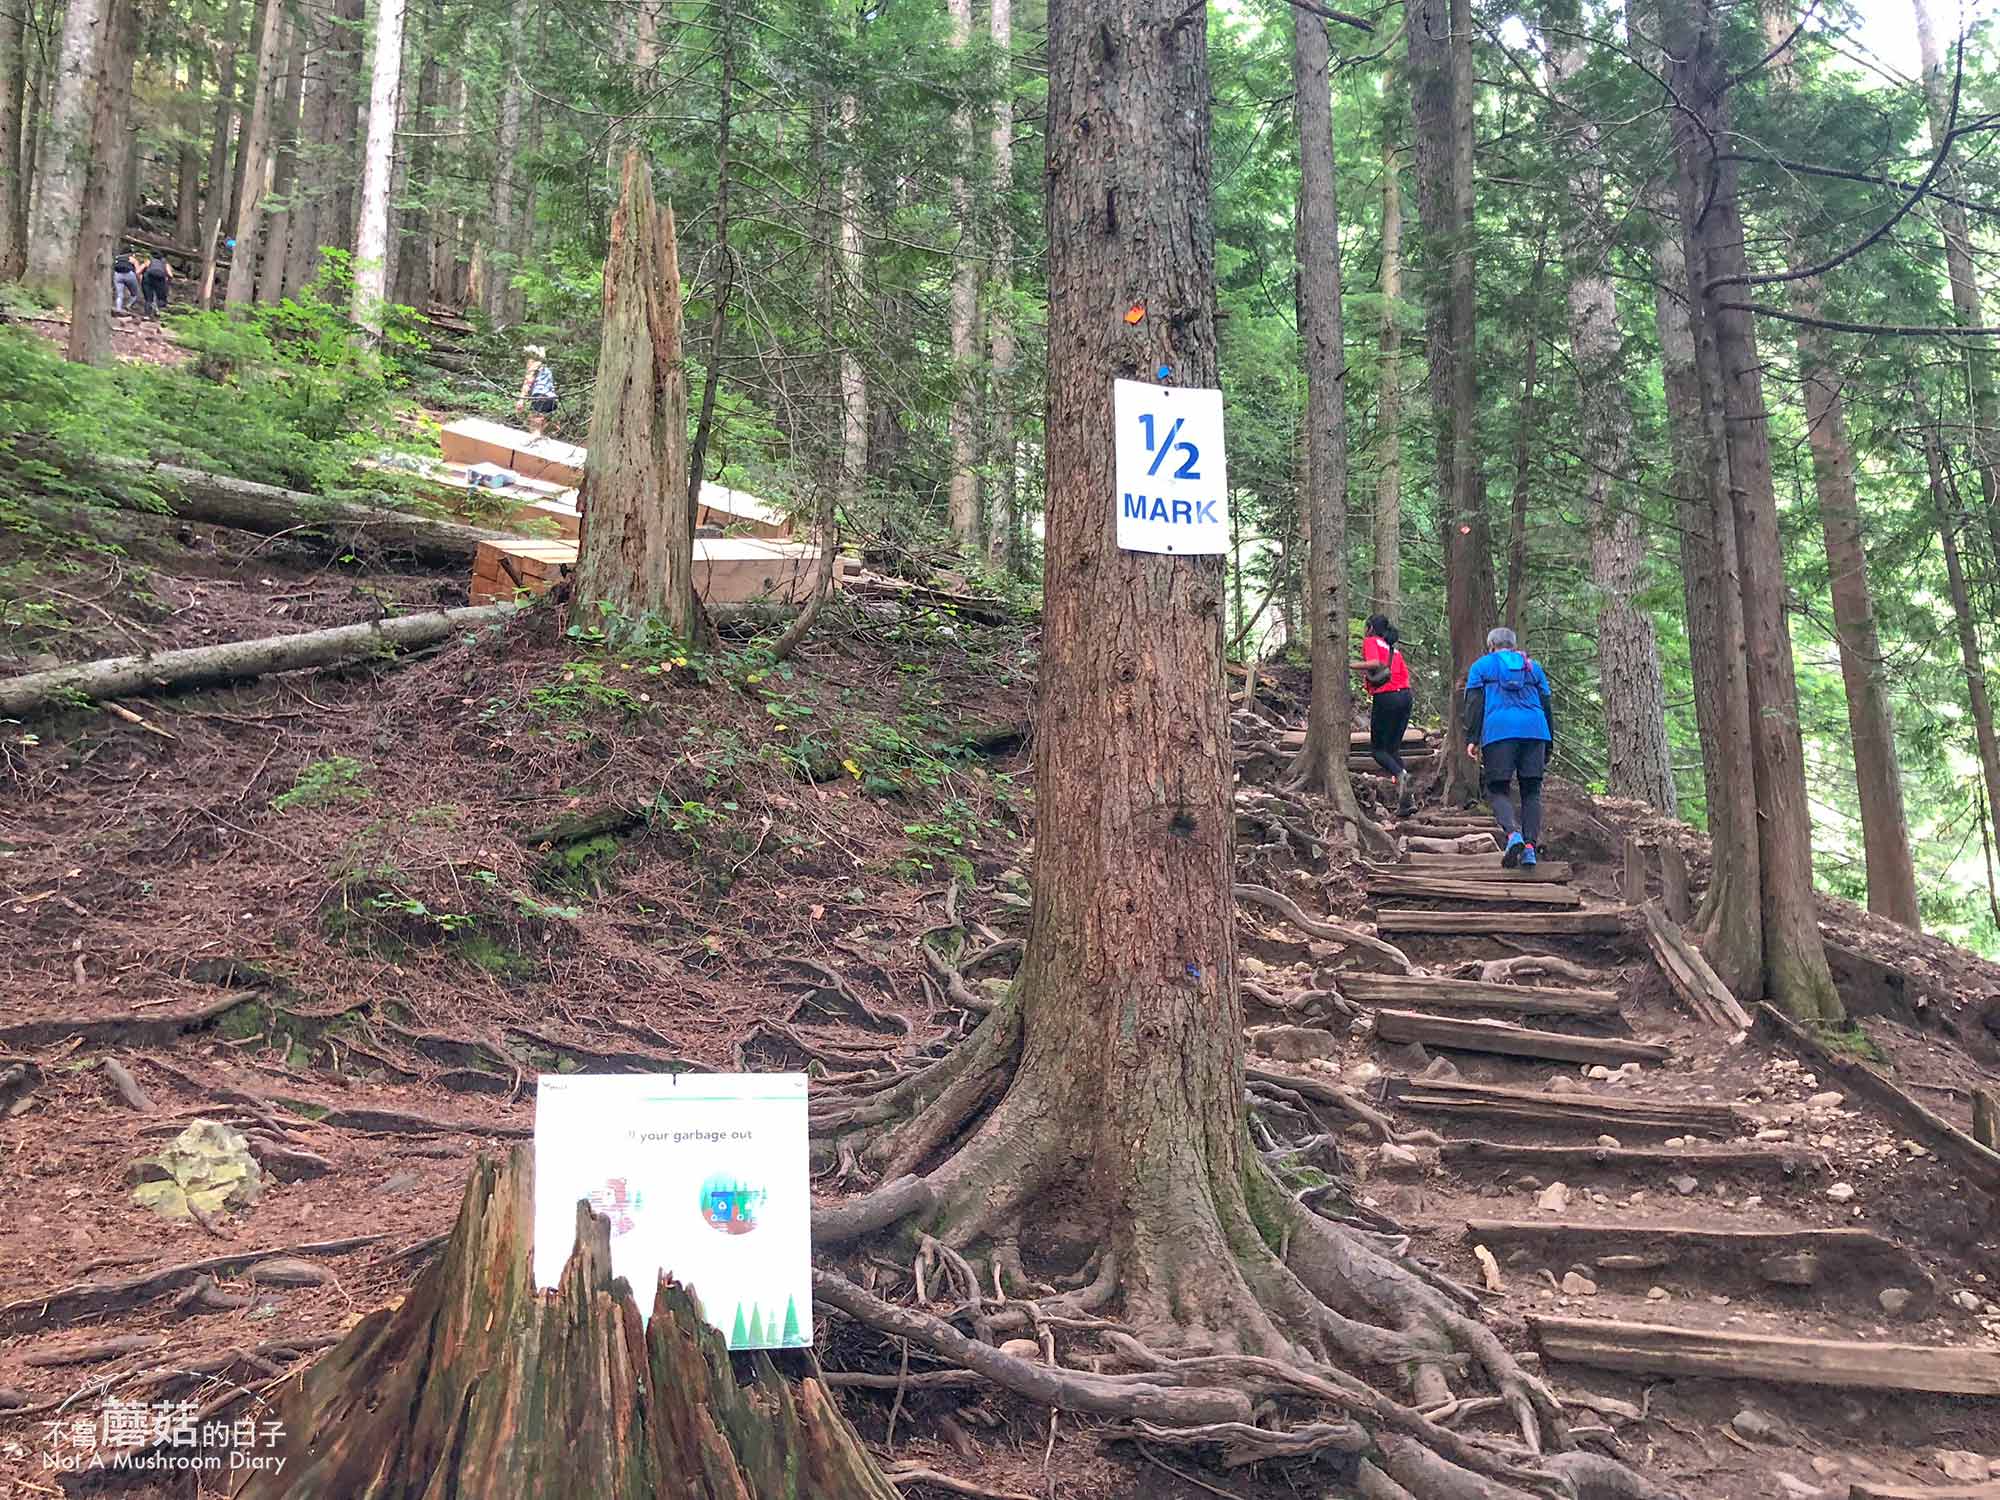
(497, 266)
(285, 162)
(252, 161)
(1524, 435)
(1386, 582)
(231, 661)
(218, 151)
(964, 489)
(378, 165)
(636, 564)
(725, 260)
(1794, 968)
(187, 183)
(851, 296)
(1322, 763)
(310, 174)
(476, 1383)
(412, 286)
(1628, 655)
(1003, 549)
(448, 229)
(13, 121)
(1950, 517)
(337, 217)
(102, 223)
(1966, 302)
(64, 152)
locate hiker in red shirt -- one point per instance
(1387, 677)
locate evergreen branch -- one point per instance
(1886, 330)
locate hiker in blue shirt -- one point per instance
(1511, 725)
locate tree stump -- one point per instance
(477, 1384)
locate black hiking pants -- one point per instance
(1388, 717)
(1502, 763)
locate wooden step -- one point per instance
(1474, 867)
(1677, 1159)
(1504, 1039)
(1295, 739)
(1485, 892)
(1601, 1113)
(1654, 1349)
(1475, 994)
(1607, 920)
(1365, 764)
(1843, 1254)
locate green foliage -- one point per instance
(321, 782)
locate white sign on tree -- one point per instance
(702, 1176)
(1173, 485)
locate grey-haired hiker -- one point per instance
(1510, 721)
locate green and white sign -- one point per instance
(703, 1176)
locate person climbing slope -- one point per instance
(1511, 725)
(538, 389)
(1387, 677)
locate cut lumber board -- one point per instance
(1677, 1159)
(1953, 1146)
(727, 570)
(1654, 1349)
(1474, 867)
(1598, 1112)
(1364, 762)
(1475, 994)
(1864, 1490)
(1688, 972)
(1487, 892)
(1504, 1039)
(1609, 919)
(1845, 1254)
(1361, 739)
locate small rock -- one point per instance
(1718, 1299)
(1958, 1464)
(1022, 1349)
(1599, 1072)
(1829, 1100)
(1440, 1071)
(1527, 1182)
(282, 1270)
(1518, 1258)
(1578, 1286)
(1554, 1198)
(1685, 1185)
(1675, 1140)
(1360, 1130)
(1755, 1200)
(11, 1399)
(402, 1182)
(1412, 1058)
(1406, 1162)
(1894, 1300)
(1489, 1268)
(1800, 1269)
(1774, 1133)
(1293, 1043)
(1609, 1142)
(1967, 1300)
(1650, 1260)
(1826, 1468)
(1841, 1192)
(1564, 1085)
(1656, 1294)
(1757, 1426)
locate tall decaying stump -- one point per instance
(475, 1384)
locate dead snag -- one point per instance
(478, 1384)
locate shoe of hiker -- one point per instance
(1510, 730)
(1527, 856)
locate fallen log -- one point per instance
(1482, 866)
(1486, 892)
(1868, 1490)
(1620, 1158)
(1688, 972)
(476, 1383)
(1653, 1349)
(1600, 1113)
(1474, 994)
(1852, 1256)
(1605, 920)
(204, 666)
(1504, 1039)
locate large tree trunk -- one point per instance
(1525, 434)
(337, 216)
(1629, 680)
(252, 159)
(1003, 548)
(217, 203)
(1794, 968)
(310, 173)
(476, 1383)
(1950, 517)
(1386, 580)
(378, 165)
(187, 169)
(412, 285)
(496, 265)
(13, 120)
(725, 258)
(103, 221)
(636, 565)
(963, 509)
(1322, 764)
(1966, 303)
(850, 295)
(285, 135)
(64, 152)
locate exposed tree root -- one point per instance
(1528, 965)
(1321, 927)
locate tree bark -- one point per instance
(284, 220)
(231, 661)
(497, 266)
(1386, 580)
(103, 221)
(476, 1383)
(1003, 549)
(337, 217)
(1794, 968)
(378, 165)
(218, 151)
(1950, 517)
(63, 166)
(963, 509)
(187, 183)
(412, 285)
(725, 259)
(311, 173)
(1629, 679)
(1524, 433)
(13, 122)
(636, 564)
(1322, 763)
(252, 159)
(850, 296)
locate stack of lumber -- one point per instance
(474, 440)
(727, 570)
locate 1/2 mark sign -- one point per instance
(1173, 482)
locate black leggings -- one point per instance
(1388, 717)
(1502, 763)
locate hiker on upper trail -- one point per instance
(1387, 677)
(154, 276)
(124, 283)
(1511, 724)
(538, 389)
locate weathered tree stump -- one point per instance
(477, 1384)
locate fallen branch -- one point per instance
(1320, 927)
(203, 666)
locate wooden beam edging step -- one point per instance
(1475, 994)
(1472, 867)
(1608, 1112)
(1486, 892)
(1847, 1254)
(1608, 920)
(1655, 1349)
(1952, 1145)
(1505, 1039)
(1688, 973)
(1583, 1158)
